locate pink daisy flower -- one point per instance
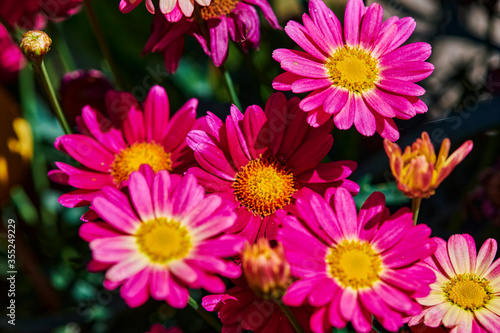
(352, 266)
(223, 19)
(110, 149)
(240, 309)
(161, 238)
(174, 10)
(466, 294)
(259, 159)
(358, 76)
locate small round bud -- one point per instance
(266, 269)
(35, 44)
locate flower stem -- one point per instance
(230, 87)
(286, 310)
(204, 314)
(103, 44)
(415, 207)
(52, 97)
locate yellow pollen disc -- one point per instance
(353, 68)
(218, 8)
(354, 264)
(468, 291)
(264, 186)
(163, 240)
(130, 159)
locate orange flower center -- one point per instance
(218, 8)
(131, 158)
(264, 186)
(468, 291)
(163, 240)
(354, 264)
(353, 68)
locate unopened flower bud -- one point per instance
(35, 44)
(418, 171)
(266, 270)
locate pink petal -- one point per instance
(306, 68)
(345, 210)
(352, 20)
(327, 22)
(345, 118)
(156, 113)
(299, 35)
(87, 151)
(370, 27)
(113, 249)
(486, 255)
(364, 120)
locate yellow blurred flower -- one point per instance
(417, 170)
(266, 269)
(16, 144)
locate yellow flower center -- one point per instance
(163, 240)
(131, 158)
(468, 291)
(354, 264)
(264, 186)
(218, 8)
(353, 68)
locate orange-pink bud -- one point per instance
(417, 170)
(266, 270)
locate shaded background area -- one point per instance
(55, 293)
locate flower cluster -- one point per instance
(213, 26)
(252, 206)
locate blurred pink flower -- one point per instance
(359, 75)
(33, 14)
(158, 328)
(161, 238)
(11, 57)
(80, 88)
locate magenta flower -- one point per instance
(110, 149)
(358, 76)
(173, 10)
(161, 238)
(80, 88)
(33, 14)
(466, 294)
(352, 266)
(11, 57)
(223, 19)
(260, 159)
(239, 310)
(158, 328)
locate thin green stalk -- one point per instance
(205, 315)
(415, 207)
(103, 44)
(230, 87)
(290, 316)
(52, 97)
